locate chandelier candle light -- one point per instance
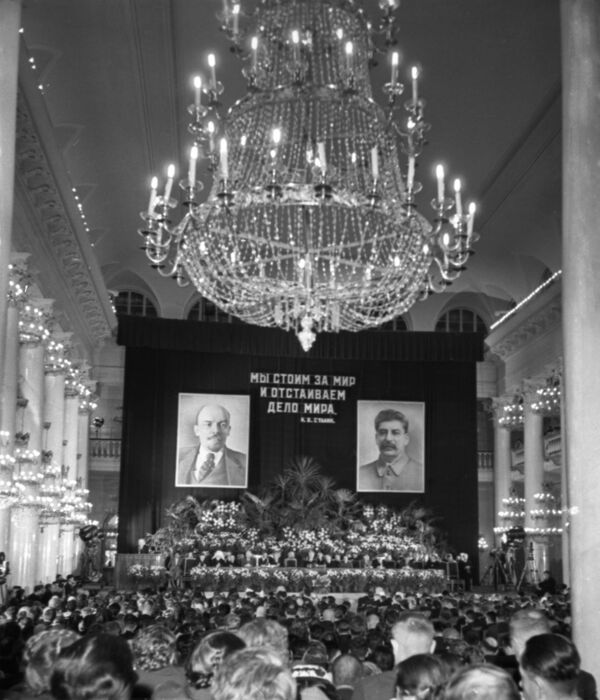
(311, 222)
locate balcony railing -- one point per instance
(105, 448)
(485, 459)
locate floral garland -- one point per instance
(212, 578)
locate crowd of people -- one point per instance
(67, 642)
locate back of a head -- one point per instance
(346, 670)
(263, 632)
(555, 660)
(420, 675)
(524, 624)
(98, 667)
(316, 653)
(209, 653)
(413, 633)
(481, 682)
(253, 674)
(154, 647)
(40, 654)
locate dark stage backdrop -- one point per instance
(165, 357)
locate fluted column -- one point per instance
(23, 550)
(17, 288)
(502, 461)
(564, 495)
(33, 321)
(86, 406)
(10, 23)
(534, 477)
(47, 565)
(6, 489)
(55, 367)
(580, 21)
(71, 430)
(66, 549)
(24, 519)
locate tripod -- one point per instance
(495, 573)
(530, 573)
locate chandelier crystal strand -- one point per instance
(311, 223)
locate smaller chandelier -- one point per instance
(548, 397)
(33, 324)
(311, 223)
(513, 413)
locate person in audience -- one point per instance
(530, 622)
(206, 658)
(4, 572)
(313, 681)
(549, 668)
(411, 634)
(420, 676)
(346, 671)
(547, 584)
(155, 656)
(11, 649)
(254, 674)
(265, 633)
(481, 682)
(99, 667)
(39, 656)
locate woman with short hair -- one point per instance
(97, 667)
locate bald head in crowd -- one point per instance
(412, 634)
(346, 670)
(524, 624)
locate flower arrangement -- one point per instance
(310, 580)
(300, 513)
(155, 571)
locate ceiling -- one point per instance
(114, 81)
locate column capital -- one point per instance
(58, 349)
(88, 399)
(530, 391)
(508, 410)
(35, 317)
(19, 277)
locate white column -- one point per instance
(10, 23)
(534, 477)
(66, 551)
(33, 321)
(502, 462)
(564, 493)
(18, 284)
(31, 366)
(48, 549)
(8, 398)
(83, 443)
(54, 394)
(23, 550)
(71, 429)
(5, 506)
(580, 22)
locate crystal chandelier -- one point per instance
(311, 221)
(548, 396)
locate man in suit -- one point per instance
(411, 634)
(394, 469)
(527, 623)
(211, 462)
